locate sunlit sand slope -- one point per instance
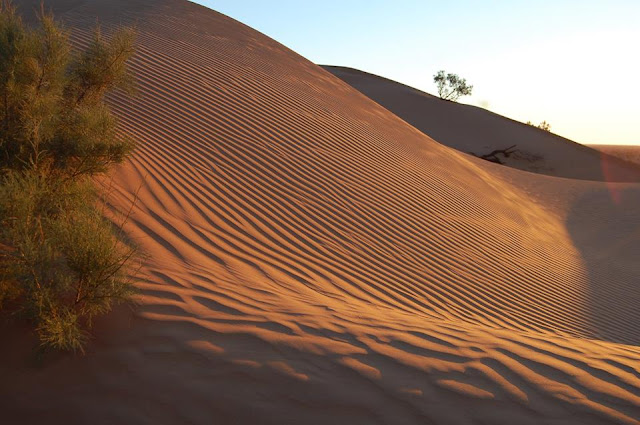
(313, 259)
(479, 131)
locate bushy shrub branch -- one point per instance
(60, 262)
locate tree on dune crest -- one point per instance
(61, 261)
(450, 86)
(542, 126)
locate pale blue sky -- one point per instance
(574, 64)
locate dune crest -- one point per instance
(312, 258)
(479, 131)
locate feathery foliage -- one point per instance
(451, 87)
(61, 262)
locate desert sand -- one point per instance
(480, 131)
(312, 258)
(629, 153)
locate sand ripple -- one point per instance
(312, 258)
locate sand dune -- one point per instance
(475, 130)
(629, 153)
(312, 258)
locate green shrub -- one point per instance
(61, 261)
(451, 87)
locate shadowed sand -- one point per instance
(313, 259)
(629, 153)
(475, 130)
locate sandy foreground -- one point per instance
(312, 258)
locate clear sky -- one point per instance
(575, 64)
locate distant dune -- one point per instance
(629, 153)
(311, 258)
(475, 130)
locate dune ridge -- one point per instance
(629, 153)
(312, 258)
(480, 131)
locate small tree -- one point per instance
(451, 87)
(60, 262)
(542, 126)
